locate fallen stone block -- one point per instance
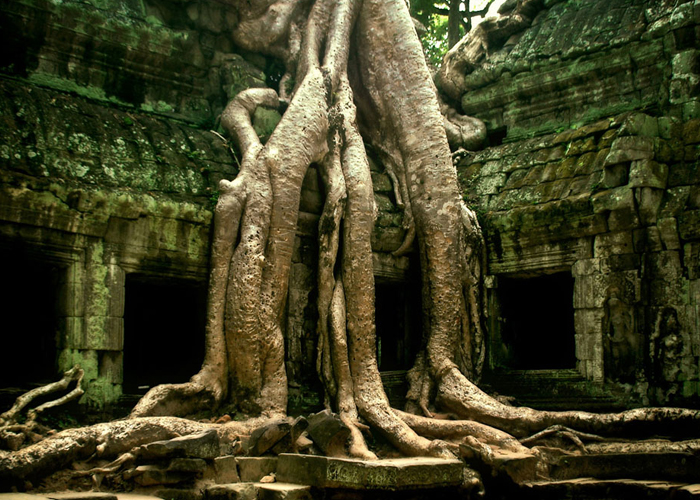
(264, 438)
(201, 445)
(239, 491)
(656, 466)
(152, 475)
(177, 494)
(253, 469)
(226, 470)
(76, 495)
(393, 474)
(283, 491)
(191, 465)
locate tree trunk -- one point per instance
(254, 228)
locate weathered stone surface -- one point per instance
(175, 494)
(78, 495)
(191, 465)
(613, 243)
(283, 491)
(394, 474)
(21, 496)
(151, 475)
(201, 445)
(648, 173)
(226, 469)
(251, 469)
(265, 437)
(670, 466)
(241, 491)
(611, 488)
(613, 199)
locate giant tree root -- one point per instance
(382, 95)
(13, 433)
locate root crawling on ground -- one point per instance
(359, 78)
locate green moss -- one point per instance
(90, 92)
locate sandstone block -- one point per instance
(615, 176)
(152, 475)
(585, 267)
(691, 132)
(648, 173)
(613, 199)
(625, 149)
(69, 495)
(240, 491)
(283, 491)
(689, 225)
(252, 469)
(668, 232)
(647, 239)
(226, 469)
(192, 465)
(589, 292)
(674, 201)
(613, 243)
(676, 466)
(620, 262)
(381, 183)
(691, 260)
(648, 204)
(201, 445)
(387, 239)
(394, 474)
(640, 124)
(623, 220)
(178, 494)
(490, 184)
(265, 437)
(384, 203)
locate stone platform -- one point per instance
(390, 474)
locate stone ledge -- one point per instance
(393, 474)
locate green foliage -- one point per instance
(433, 15)
(434, 40)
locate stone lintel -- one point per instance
(392, 474)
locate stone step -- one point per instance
(551, 389)
(683, 467)
(346, 473)
(258, 491)
(283, 491)
(598, 489)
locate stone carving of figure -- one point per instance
(668, 344)
(621, 339)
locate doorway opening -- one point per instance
(398, 321)
(164, 321)
(537, 322)
(28, 308)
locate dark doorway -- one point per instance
(163, 331)
(28, 303)
(537, 322)
(398, 320)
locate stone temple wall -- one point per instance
(596, 180)
(109, 174)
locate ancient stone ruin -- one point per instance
(587, 190)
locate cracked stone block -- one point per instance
(226, 470)
(283, 491)
(251, 469)
(200, 445)
(392, 474)
(240, 491)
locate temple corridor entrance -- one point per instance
(537, 322)
(163, 331)
(28, 308)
